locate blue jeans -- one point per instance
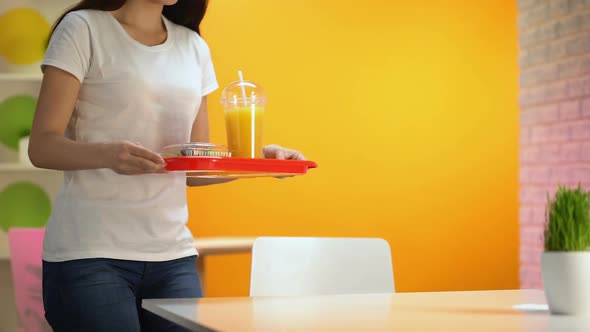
(105, 294)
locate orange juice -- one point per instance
(244, 130)
(244, 103)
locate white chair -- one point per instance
(294, 266)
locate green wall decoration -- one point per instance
(24, 204)
(16, 119)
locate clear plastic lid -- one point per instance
(234, 94)
(195, 149)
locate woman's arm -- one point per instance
(200, 133)
(49, 148)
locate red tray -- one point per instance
(237, 167)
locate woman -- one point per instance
(122, 79)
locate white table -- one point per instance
(441, 311)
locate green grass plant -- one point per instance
(567, 224)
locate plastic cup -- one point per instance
(244, 106)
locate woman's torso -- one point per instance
(146, 95)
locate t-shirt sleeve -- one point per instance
(69, 47)
(209, 79)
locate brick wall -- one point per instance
(554, 58)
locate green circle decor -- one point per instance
(24, 204)
(16, 119)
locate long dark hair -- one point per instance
(188, 13)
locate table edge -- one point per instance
(186, 323)
(213, 247)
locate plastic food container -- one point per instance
(195, 150)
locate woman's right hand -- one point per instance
(127, 158)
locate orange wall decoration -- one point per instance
(410, 110)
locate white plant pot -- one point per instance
(566, 278)
(23, 151)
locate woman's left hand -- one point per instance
(278, 152)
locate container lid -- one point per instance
(234, 93)
(195, 149)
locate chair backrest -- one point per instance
(295, 266)
(26, 248)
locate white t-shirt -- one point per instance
(129, 91)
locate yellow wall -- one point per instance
(410, 109)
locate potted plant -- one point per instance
(565, 263)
